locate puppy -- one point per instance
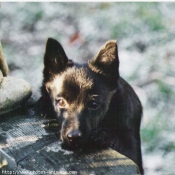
(93, 105)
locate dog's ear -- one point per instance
(55, 59)
(106, 62)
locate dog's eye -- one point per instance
(93, 105)
(61, 103)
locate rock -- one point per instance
(1, 76)
(13, 93)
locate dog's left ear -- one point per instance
(107, 62)
(55, 59)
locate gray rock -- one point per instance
(13, 93)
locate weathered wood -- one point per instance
(28, 145)
(3, 63)
(1, 77)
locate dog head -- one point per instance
(80, 94)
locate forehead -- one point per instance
(72, 82)
(79, 77)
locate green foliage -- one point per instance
(151, 15)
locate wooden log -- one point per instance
(29, 146)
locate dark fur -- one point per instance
(94, 106)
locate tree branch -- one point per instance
(3, 63)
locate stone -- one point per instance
(13, 93)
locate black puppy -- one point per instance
(94, 106)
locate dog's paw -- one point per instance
(44, 109)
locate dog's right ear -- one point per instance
(106, 63)
(55, 59)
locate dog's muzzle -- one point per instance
(73, 140)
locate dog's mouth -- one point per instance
(73, 145)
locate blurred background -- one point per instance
(146, 39)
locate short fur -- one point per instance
(95, 107)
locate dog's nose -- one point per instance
(74, 135)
